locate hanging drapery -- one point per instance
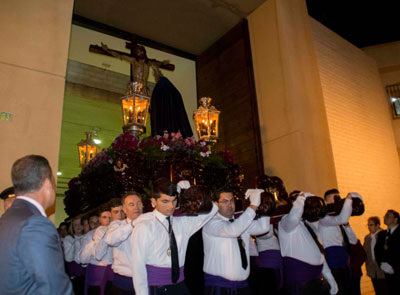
(167, 111)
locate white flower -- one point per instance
(164, 147)
(202, 143)
(206, 154)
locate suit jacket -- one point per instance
(30, 251)
(373, 270)
(392, 254)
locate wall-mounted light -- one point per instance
(87, 149)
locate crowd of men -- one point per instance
(121, 250)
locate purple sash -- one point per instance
(95, 277)
(75, 270)
(254, 261)
(210, 280)
(109, 275)
(162, 276)
(299, 273)
(123, 282)
(337, 257)
(270, 259)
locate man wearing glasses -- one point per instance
(226, 243)
(387, 251)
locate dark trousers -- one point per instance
(176, 289)
(393, 283)
(215, 290)
(355, 286)
(380, 286)
(95, 290)
(118, 291)
(78, 284)
(343, 279)
(265, 281)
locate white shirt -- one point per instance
(221, 249)
(295, 240)
(330, 230)
(373, 243)
(71, 247)
(150, 242)
(34, 203)
(88, 250)
(393, 228)
(101, 250)
(117, 237)
(68, 248)
(268, 241)
(79, 243)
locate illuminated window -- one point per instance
(393, 92)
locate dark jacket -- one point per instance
(392, 254)
(30, 251)
(373, 270)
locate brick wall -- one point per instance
(360, 128)
(387, 57)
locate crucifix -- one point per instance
(140, 63)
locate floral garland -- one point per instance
(132, 164)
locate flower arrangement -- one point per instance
(145, 160)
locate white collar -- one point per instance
(224, 218)
(34, 203)
(393, 228)
(160, 216)
(375, 233)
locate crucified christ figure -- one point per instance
(140, 65)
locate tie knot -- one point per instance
(231, 220)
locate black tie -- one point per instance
(174, 253)
(242, 250)
(346, 242)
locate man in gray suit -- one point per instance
(31, 257)
(373, 271)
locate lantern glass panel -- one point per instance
(201, 119)
(127, 109)
(213, 123)
(141, 106)
(82, 154)
(92, 151)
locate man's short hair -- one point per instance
(375, 220)
(293, 195)
(217, 193)
(164, 186)
(127, 194)
(331, 191)
(114, 202)
(94, 214)
(395, 214)
(63, 224)
(29, 173)
(104, 208)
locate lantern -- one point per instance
(87, 149)
(206, 119)
(135, 109)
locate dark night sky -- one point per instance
(363, 23)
